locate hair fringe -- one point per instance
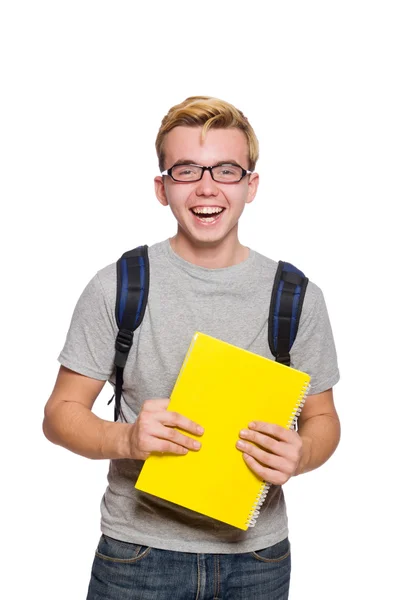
(207, 112)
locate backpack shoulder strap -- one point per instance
(132, 295)
(285, 310)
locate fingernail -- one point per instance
(252, 424)
(243, 432)
(240, 444)
(196, 445)
(200, 430)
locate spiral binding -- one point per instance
(299, 405)
(261, 497)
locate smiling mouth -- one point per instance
(207, 217)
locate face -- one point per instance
(183, 144)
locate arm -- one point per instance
(319, 430)
(277, 454)
(69, 422)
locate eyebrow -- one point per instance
(189, 161)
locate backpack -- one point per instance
(132, 293)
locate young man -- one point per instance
(201, 279)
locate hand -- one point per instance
(154, 431)
(274, 454)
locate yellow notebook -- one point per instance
(223, 388)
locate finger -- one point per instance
(265, 441)
(176, 437)
(264, 473)
(167, 447)
(272, 429)
(150, 436)
(174, 419)
(265, 458)
(289, 450)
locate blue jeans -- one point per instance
(123, 571)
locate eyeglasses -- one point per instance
(225, 173)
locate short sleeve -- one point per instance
(89, 346)
(314, 349)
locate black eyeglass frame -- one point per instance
(169, 172)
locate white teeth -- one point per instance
(207, 210)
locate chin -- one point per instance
(207, 239)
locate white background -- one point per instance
(84, 87)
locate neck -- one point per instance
(215, 255)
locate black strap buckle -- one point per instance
(123, 344)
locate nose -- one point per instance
(206, 186)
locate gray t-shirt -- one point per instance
(231, 304)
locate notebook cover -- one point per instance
(223, 388)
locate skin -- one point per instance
(272, 452)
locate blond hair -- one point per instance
(207, 112)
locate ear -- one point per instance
(252, 187)
(159, 189)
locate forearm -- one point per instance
(76, 428)
(320, 435)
